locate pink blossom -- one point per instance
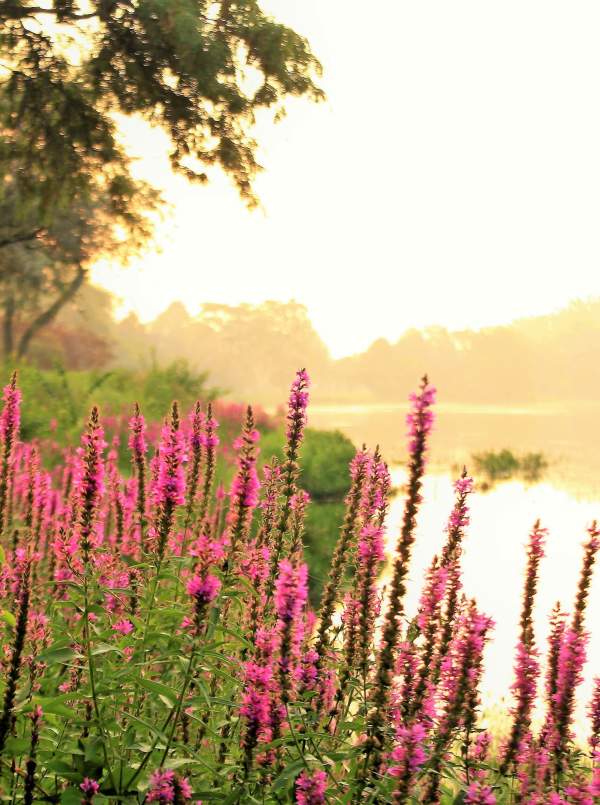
(125, 627)
(310, 788)
(204, 588)
(420, 418)
(170, 483)
(10, 418)
(90, 788)
(409, 754)
(167, 787)
(432, 596)
(479, 794)
(137, 438)
(297, 404)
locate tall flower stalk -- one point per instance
(169, 490)
(210, 442)
(572, 652)
(16, 652)
(359, 470)
(420, 422)
(526, 664)
(10, 420)
(296, 424)
(139, 449)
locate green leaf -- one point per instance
(51, 705)
(104, 648)
(289, 773)
(161, 690)
(9, 618)
(56, 653)
(16, 746)
(71, 796)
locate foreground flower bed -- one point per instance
(159, 646)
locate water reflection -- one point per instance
(494, 557)
(494, 563)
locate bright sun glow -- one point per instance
(451, 177)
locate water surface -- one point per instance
(566, 501)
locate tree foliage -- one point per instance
(200, 70)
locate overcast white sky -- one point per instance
(452, 177)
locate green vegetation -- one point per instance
(504, 464)
(325, 459)
(199, 71)
(57, 401)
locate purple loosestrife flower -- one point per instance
(459, 518)
(90, 788)
(296, 423)
(244, 489)
(203, 589)
(91, 483)
(461, 673)
(298, 505)
(290, 601)
(572, 653)
(210, 442)
(557, 629)
(371, 556)
(594, 714)
(10, 421)
(167, 788)
(169, 489)
(359, 470)
(479, 793)
(595, 786)
(532, 766)
(526, 664)
(268, 506)
(256, 709)
(139, 449)
(195, 440)
(428, 619)
(420, 423)
(311, 788)
(571, 659)
(590, 549)
(407, 757)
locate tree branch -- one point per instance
(24, 12)
(49, 314)
(21, 238)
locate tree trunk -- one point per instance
(8, 324)
(50, 313)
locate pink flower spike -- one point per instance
(125, 627)
(310, 788)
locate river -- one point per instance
(566, 500)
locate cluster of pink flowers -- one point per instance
(166, 788)
(170, 482)
(204, 588)
(311, 787)
(10, 418)
(297, 404)
(264, 685)
(420, 418)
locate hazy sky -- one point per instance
(452, 177)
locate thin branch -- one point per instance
(21, 238)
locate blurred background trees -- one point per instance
(200, 70)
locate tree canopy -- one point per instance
(198, 69)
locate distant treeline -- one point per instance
(248, 349)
